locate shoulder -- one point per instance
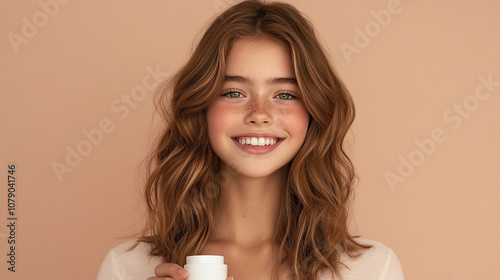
(127, 262)
(378, 262)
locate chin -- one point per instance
(254, 173)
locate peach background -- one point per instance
(70, 75)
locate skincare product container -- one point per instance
(206, 267)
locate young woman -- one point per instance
(251, 164)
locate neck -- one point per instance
(248, 209)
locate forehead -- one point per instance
(259, 58)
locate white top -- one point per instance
(376, 263)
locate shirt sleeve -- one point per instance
(392, 269)
(109, 269)
(128, 262)
(376, 263)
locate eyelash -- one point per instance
(228, 92)
(290, 96)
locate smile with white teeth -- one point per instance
(257, 141)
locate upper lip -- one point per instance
(256, 134)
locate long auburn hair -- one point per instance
(184, 181)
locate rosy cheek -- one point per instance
(214, 117)
(220, 116)
(296, 118)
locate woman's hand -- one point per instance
(172, 271)
(169, 271)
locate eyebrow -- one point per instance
(241, 79)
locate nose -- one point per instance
(259, 112)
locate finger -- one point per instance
(171, 270)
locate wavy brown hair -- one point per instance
(183, 184)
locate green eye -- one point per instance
(285, 96)
(233, 94)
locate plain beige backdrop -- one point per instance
(76, 115)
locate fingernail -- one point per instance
(181, 271)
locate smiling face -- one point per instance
(258, 123)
